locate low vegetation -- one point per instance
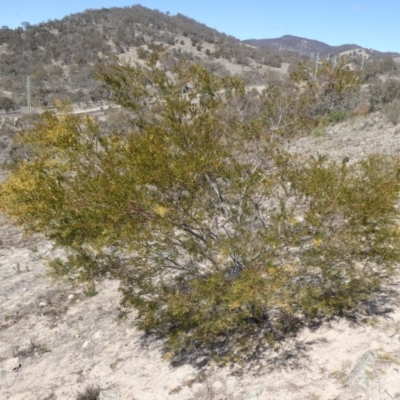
(220, 239)
(6, 104)
(392, 111)
(91, 392)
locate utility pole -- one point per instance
(28, 94)
(316, 64)
(363, 59)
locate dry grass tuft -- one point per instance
(91, 392)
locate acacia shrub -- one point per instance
(334, 88)
(220, 239)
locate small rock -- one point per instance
(218, 385)
(395, 339)
(362, 376)
(96, 335)
(42, 304)
(12, 364)
(254, 394)
(107, 395)
(231, 383)
(71, 297)
(283, 392)
(6, 324)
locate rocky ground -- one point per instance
(62, 343)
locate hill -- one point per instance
(59, 55)
(308, 47)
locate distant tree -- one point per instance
(25, 25)
(6, 104)
(273, 60)
(374, 68)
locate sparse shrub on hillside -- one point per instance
(6, 104)
(221, 240)
(383, 92)
(305, 100)
(336, 88)
(142, 53)
(337, 116)
(375, 68)
(273, 60)
(392, 111)
(253, 78)
(337, 81)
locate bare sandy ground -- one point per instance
(55, 340)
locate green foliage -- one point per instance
(221, 240)
(332, 88)
(337, 78)
(337, 116)
(319, 132)
(288, 107)
(90, 289)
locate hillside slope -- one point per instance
(307, 47)
(59, 55)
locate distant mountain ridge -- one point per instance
(305, 46)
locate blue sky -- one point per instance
(369, 23)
